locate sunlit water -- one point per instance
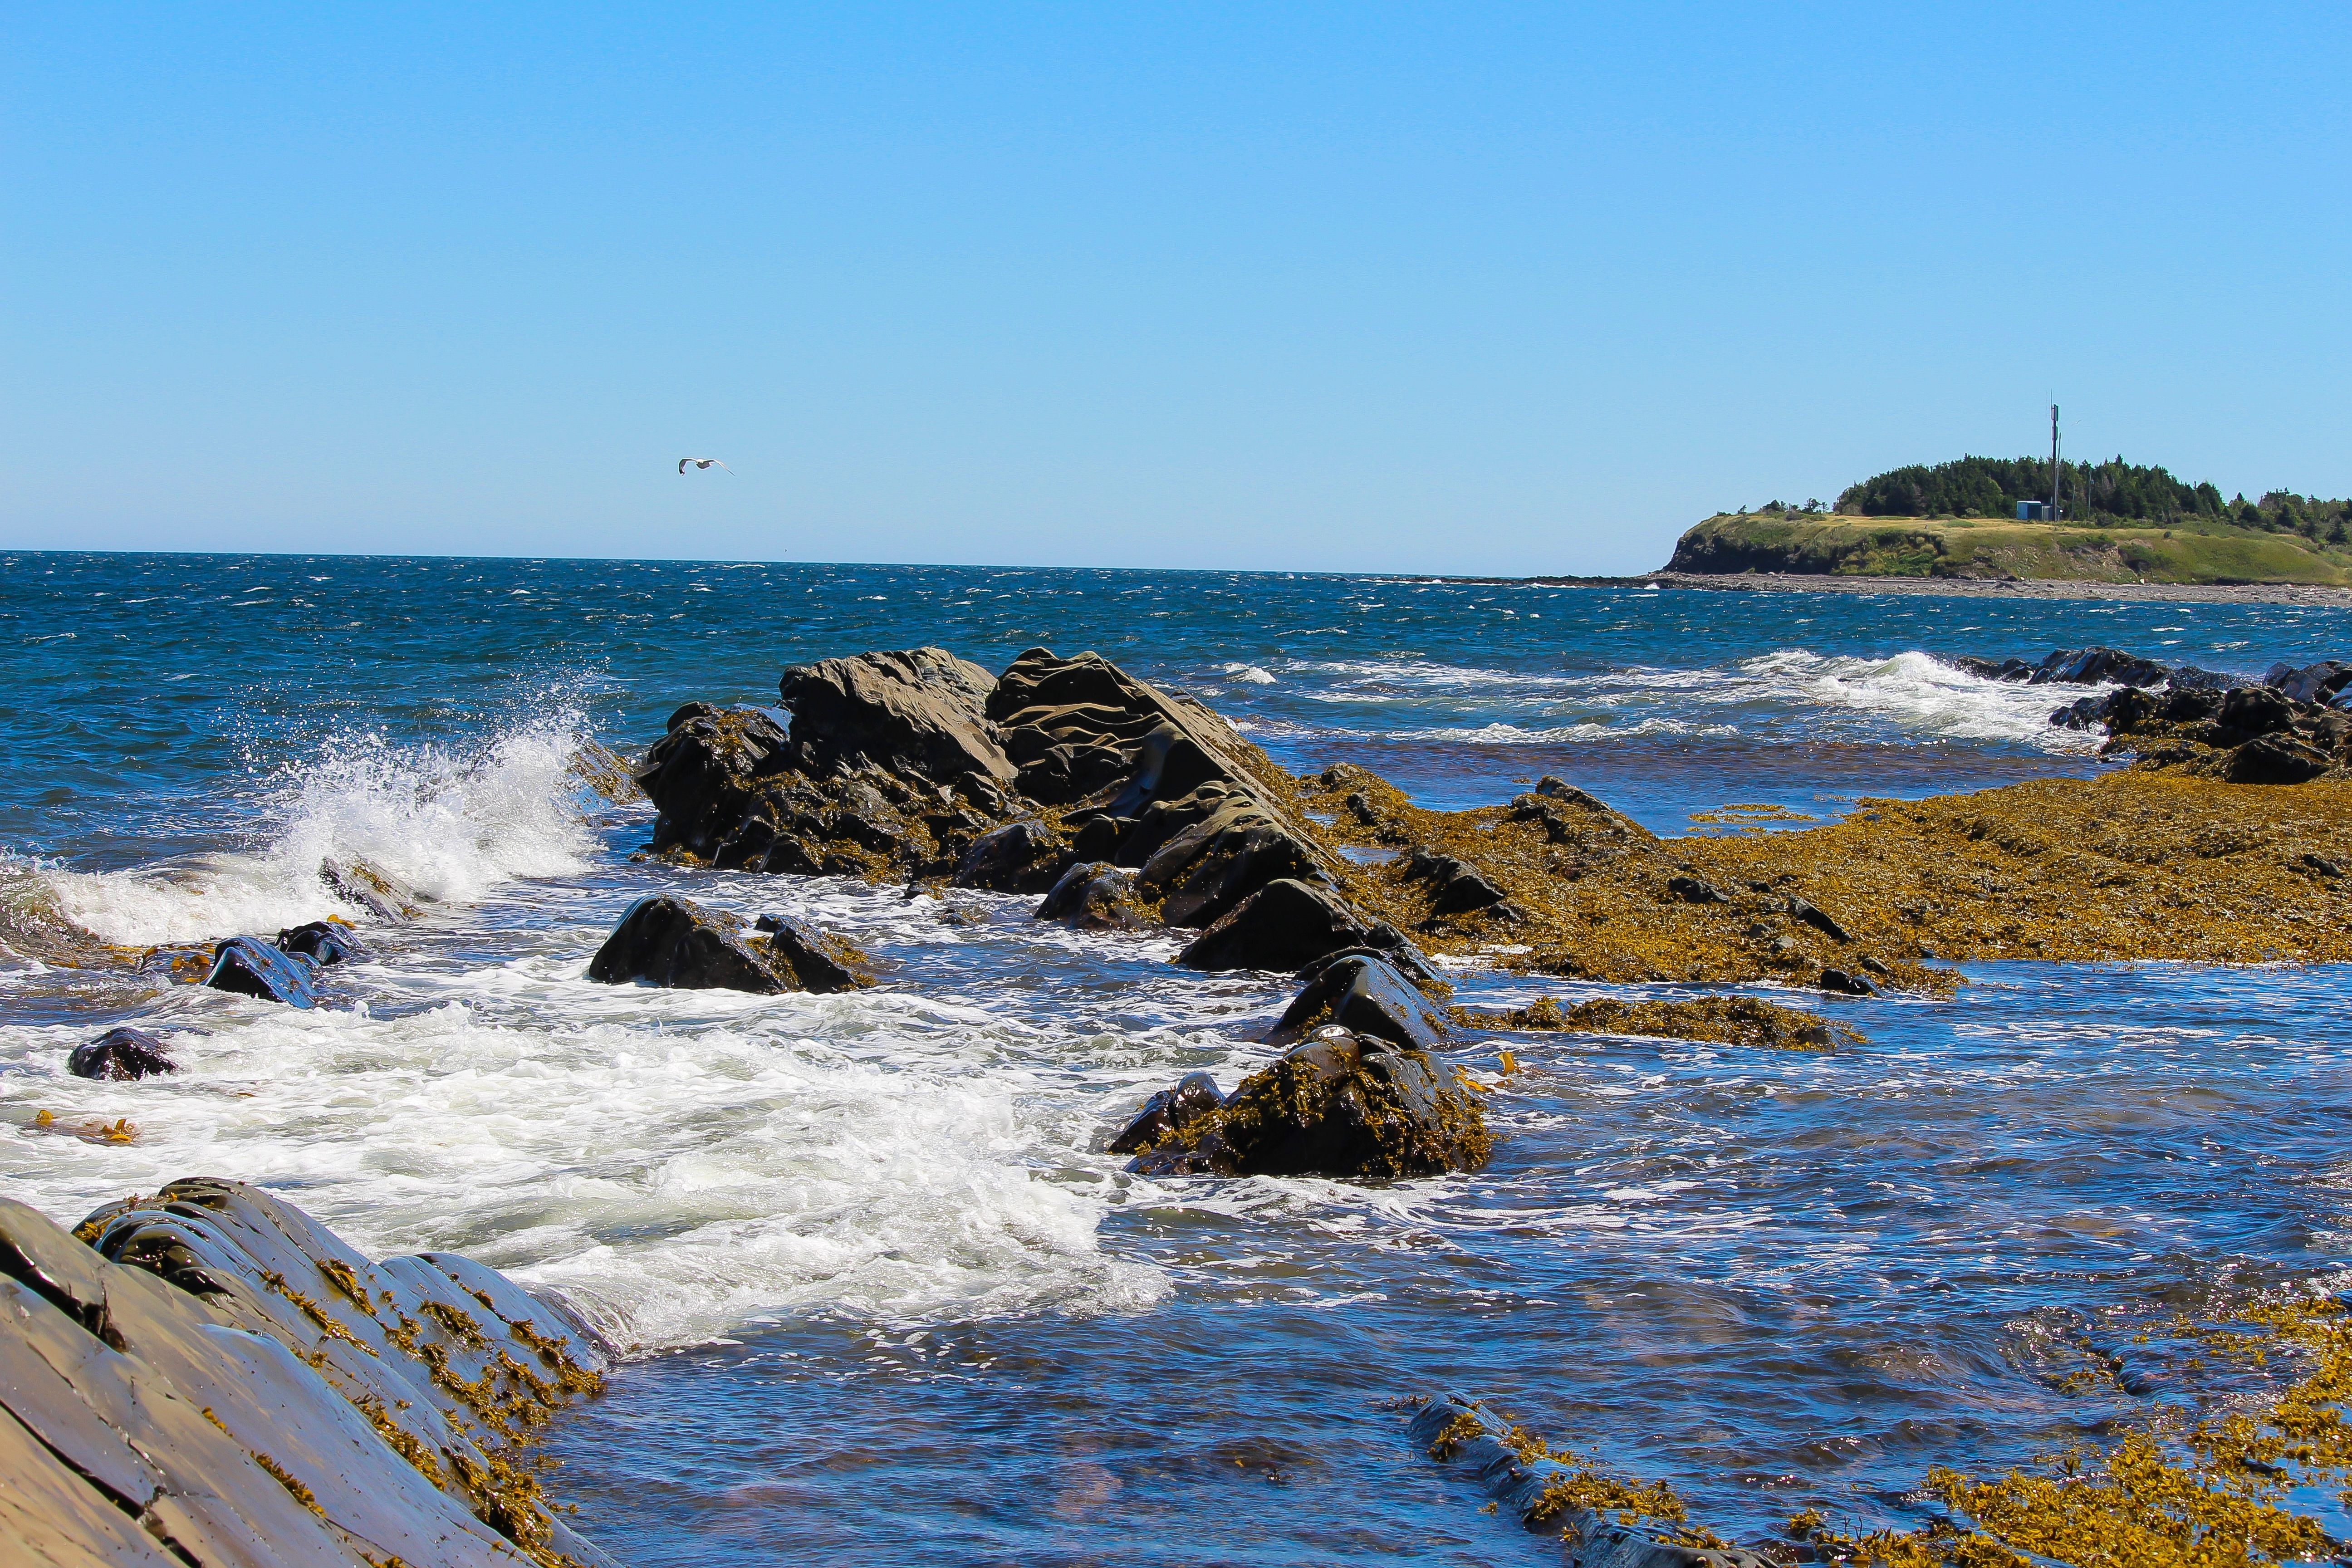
(885, 1301)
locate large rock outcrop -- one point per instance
(207, 1376)
(1341, 1104)
(919, 765)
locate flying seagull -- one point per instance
(700, 463)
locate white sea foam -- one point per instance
(451, 824)
(1247, 675)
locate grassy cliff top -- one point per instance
(2186, 550)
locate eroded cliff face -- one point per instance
(208, 1376)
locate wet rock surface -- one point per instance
(1341, 1104)
(248, 966)
(206, 1376)
(1286, 924)
(1367, 995)
(675, 943)
(123, 1052)
(325, 941)
(1098, 896)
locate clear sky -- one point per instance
(1478, 288)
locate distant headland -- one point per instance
(1986, 520)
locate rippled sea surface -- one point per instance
(886, 1303)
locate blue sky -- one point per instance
(1476, 289)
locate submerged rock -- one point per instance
(373, 889)
(207, 1376)
(1340, 1105)
(1367, 995)
(1285, 925)
(123, 1052)
(249, 966)
(676, 943)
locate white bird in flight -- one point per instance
(700, 463)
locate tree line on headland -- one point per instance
(2111, 492)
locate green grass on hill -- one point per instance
(2186, 549)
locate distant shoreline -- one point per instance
(1979, 588)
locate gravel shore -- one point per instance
(2035, 588)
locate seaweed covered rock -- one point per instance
(206, 1376)
(1194, 1097)
(1018, 858)
(1203, 871)
(248, 966)
(121, 1053)
(1338, 1105)
(1366, 994)
(1609, 1521)
(676, 943)
(2247, 734)
(703, 774)
(372, 888)
(1286, 924)
(1097, 895)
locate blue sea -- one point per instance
(880, 1297)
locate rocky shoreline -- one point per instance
(1973, 587)
(382, 1418)
(207, 1376)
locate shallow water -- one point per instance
(887, 1302)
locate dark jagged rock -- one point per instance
(1692, 890)
(1284, 925)
(2282, 759)
(1820, 922)
(1367, 995)
(373, 889)
(1456, 886)
(812, 960)
(328, 942)
(1019, 857)
(1386, 941)
(1209, 868)
(920, 712)
(1096, 894)
(123, 1052)
(1338, 1105)
(212, 1378)
(2324, 683)
(703, 774)
(249, 966)
(1165, 1112)
(1851, 985)
(2246, 734)
(676, 943)
(1077, 724)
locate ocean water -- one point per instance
(883, 1300)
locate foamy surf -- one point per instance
(453, 825)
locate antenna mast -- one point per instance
(2054, 462)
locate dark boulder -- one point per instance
(1994, 668)
(329, 941)
(1367, 995)
(1692, 890)
(1096, 894)
(1455, 886)
(1385, 941)
(2248, 712)
(1285, 925)
(1850, 984)
(123, 1052)
(1816, 918)
(2273, 760)
(920, 711)
(1019, 857)
(2098, 667)
(704, 775)
(812, 960)
(1165, 1113)
(676, 943)
(249, 966)
(1338, 1105)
